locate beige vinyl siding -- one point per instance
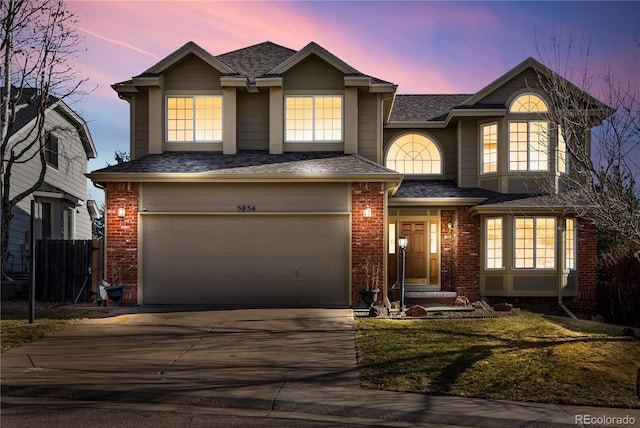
(192, 74)
(313, 74)
(140, 129)
(367, 125)
(225, 197)
(253, 121)
(468, 153)
(526, 79)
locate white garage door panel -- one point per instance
(245, 259)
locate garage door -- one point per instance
(250, 259)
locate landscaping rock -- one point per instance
(503, 307)
(461, 301)
(416, 312)
(481, 304)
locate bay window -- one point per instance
(535, 243)
(493, 243)
(489, 137)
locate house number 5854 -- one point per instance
(246, 208)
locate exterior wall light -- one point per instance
(121, 212)
(402, 242)
(367, 212)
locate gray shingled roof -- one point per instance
(439, 189)
(248, 162)
(421, 108)
(256, 60)
(26, 108)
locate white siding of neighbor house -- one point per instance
(69, 177)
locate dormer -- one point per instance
(263, 97)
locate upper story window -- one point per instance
(562, 152)
(570, 244)
(194, 118)
(313, 118)
(528, 139)
(489, 143)
(414, 154)
(51, 151)
(528, 103)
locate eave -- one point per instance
(434, 202)
(455, 113)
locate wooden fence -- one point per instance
(67, 270)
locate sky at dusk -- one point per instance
(424, 47)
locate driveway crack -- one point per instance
(206, 333)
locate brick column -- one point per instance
(122, 238)
(367, 236)
(466, 253)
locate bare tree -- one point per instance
(602, 184)
(38, 40)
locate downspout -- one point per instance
(562, 277)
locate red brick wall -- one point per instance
(367, 236)
(122, 238)
(466, 254)
(587, 270)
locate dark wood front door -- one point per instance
(416, 252)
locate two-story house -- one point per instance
(62, 210)
(269, 176)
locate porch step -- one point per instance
(423, 298)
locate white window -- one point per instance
(313, 118)
(194, 118)
(392, 238)
(415, 154)
(562, 152)
(528, 145)
(535, 243)
(493, 259)
(51, 151)
(528, 139)
(489, 148)
(570, 244)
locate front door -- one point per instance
(422, 255)
(416, 252)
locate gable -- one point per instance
(313, 73)
(527, 79)
(192, 73)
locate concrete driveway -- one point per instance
(189, 355)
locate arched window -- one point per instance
(528, 103)
(528, 138)
(414, 154)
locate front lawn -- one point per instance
(528, 357)
(15, 329)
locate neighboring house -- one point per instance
(268, 176)
(62, 210)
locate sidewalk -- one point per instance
(294, 360)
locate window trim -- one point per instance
(528, 160)
(535, 243)
(313, 118)
(486, 244)
(482, 150)
(193, 97)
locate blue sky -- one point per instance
(424, 47)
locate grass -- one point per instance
(16, 331)
(528, 357)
